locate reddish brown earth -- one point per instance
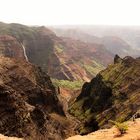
(67, 96)
(10, 47)
(75, 57)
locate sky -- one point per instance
(70, 12)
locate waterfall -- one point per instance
(24, 52)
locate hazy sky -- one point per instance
(61, 12)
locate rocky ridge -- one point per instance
(112, 94)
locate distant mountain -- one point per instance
(116, 45)
(76, 34)
(112, 95)
(118, 40)
(130, 34)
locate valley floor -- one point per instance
(133, 133)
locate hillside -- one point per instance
(29, 103)
(59, 57)
(10, 47)
(112, 94)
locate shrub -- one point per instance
(122, 127)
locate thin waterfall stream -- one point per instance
(24, 52)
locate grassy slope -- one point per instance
(73, 85)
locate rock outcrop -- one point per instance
(113, 94)
(27, 101)
(10, 47)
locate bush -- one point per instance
(122, 127)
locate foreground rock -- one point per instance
(29, 106)
(113, 133)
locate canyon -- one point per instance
(53, 87)
(60, 57)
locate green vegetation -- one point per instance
(107, 96)
(74, 85)
(91, 70)
(59, 48)
(122, 127)
(94, 68)
(85, 130)
(18, 31)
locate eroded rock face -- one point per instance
(10, 47)
(61, 58)
(27, 100)
(114, 94)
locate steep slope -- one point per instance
(54, 54)
(20, 80)
(10, 47)
(81, 59)
(113, 94)
(28, 101)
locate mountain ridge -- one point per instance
(112, 94)
(115, 39)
